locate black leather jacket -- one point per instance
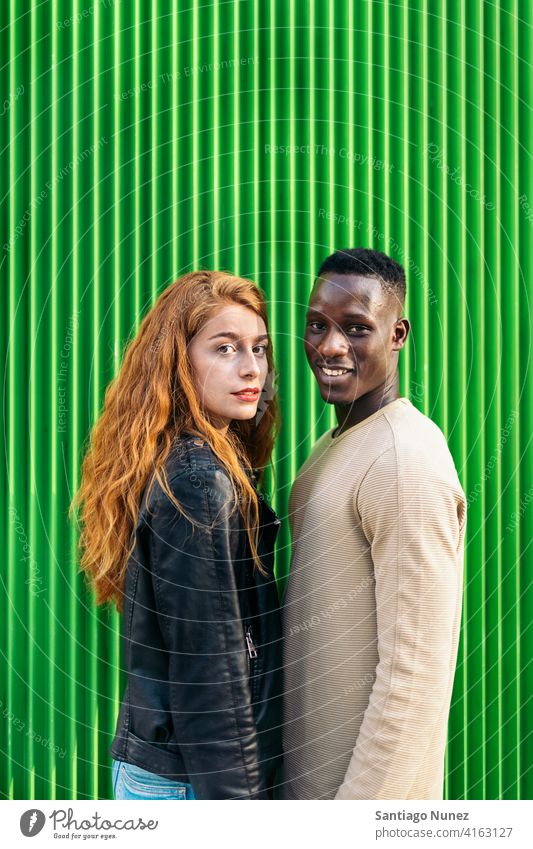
(201, 636)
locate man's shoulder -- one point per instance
(414, 432)
(418, 448)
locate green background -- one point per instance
(138, 143)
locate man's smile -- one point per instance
(333, 371)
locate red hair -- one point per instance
(150, 402)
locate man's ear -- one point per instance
(400, 332)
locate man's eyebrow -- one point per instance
(228, 334)
(353, 316)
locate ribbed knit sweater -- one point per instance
(372, 611)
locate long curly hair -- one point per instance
(150, 403)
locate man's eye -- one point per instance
(315, 325)
(357, 328)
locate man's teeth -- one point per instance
(334, 372)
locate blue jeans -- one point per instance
(132, 782)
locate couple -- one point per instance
(176, 532)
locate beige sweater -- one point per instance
(372, 611)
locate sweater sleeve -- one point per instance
(412, 512)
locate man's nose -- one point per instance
(332, 344)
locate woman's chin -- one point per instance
(245, 415)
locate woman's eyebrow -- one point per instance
(229, 335)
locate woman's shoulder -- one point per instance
(192, 470)
(190, 453)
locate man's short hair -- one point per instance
(368, 263)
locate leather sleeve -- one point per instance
(198, 608)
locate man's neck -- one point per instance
(349, 415)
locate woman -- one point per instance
(176, 534)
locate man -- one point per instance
(373, 604)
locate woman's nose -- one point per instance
(250, 366)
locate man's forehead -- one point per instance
(347, 291)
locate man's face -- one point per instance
(352, 336)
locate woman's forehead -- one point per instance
(235, 319)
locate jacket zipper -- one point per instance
(251, 650)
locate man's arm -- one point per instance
(197, 603)
(413, 519)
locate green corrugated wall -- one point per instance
(142, 140)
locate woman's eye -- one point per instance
(315, 325)
(260, 349)
(224, 348)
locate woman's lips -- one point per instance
(247, 395)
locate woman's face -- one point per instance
(229, 362)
